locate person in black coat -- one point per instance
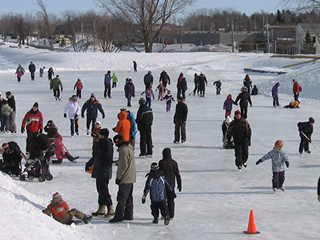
(102, 172)
(244, 98)
(11, 158)
(164, 77)
(12, 117)
(240, 130)
(32, 69)
(148, 80)
(180, 120)
(247, 82)
(171, 170)
(129, 90)
(144, 122)
(202, 82)
(305, 130)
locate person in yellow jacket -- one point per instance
(114, 80)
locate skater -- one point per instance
(305, 132)
(180, 121)
(293, 104)
(225, 127)
(195, 84)
(202, 82)
(126, 177)
(148, 80)
(50, 73)
(60, 211)
(94, 134)
(78, 86)
(12, 116)
(6, 111)
(275, 96)
(158, 185)
(11, 156)
(33, 122)
(114, 80)
(55, 85)
(169, 98)
(247, 82)
(279, 158)
(227, 105)
(171, 170)
(241, 132)
(133, 127)
(102, 172)
(218, 86)
(107, 85)
(74, 111)
(42, 71)
(149, 93)
(181, 86)
(32, 69)
(254, 90)
(20, 72)
(244, 98)
(161, 89)
(129, 91)
(123, 126)
(144, 122)
(296, 89)
(164, 77)
(92, 106)
(135, 66)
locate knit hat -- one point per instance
(57, 197)
(74, 97)
(142, 101)
(5, 145)
(311, 120)
(8, 93)
(50, 123)
(36, 105)
(92, 95)
(154, 166)
(104, 132)
(237, 112)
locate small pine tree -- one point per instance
(308, 44)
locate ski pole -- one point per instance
(309, 140)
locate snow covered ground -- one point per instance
(216, 198)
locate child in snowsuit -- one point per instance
(114, 80)
(169, 98)
(149, 94)
(60, 211)
(279, 158)
(157, 184)
(227, 105)
(161, 89)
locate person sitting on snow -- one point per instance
(294, 104)
(59, 209)
(11, 159)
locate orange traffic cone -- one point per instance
(251, 226)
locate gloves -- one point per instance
(82, 115)
(259, 161)
(76, 116)
(65, 115)
(22, 129)
(287, 164)
(117, 181)
(179, 188)
(143, 200)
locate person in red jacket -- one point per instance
(296, 89)
(60, 211)
(33, 122)
(78, 86)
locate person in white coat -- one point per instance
(74, 111)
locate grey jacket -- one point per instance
(126, 172)
(278, 159)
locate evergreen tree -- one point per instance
(308, 44)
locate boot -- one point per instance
(155, 220)
(57, 161)
(100, 211)
(166, 220)
(110, 212)
(86, 219)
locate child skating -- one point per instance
(279, 158)
(169, 98)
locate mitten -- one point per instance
(179, 188)
(82, 115)
(65, 115)
(76, 116)
(103, 116)
(22, 129)
(143, 200)
(259, 161)
(287, 163)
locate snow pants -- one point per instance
(278, 179)
(145, 141)
(275, 100)
(244, 110)
(304, 144)
(168, 106)
(124, 209)
(180, 126)
(156, 205)
(171, 195)
(241, 151)
(107, 90)
(102, 184)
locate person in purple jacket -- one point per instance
(227, 105)
(275, 95)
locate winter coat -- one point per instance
(19, 73)
(218, 83)
(92, 108)
(278, 159)
(275, 89)
(74, 109)
(157, 184)
(59, 151)
(102, 159)
(202, 81)
(114, 78)
(148, 79)
(6, 110)
(306, 128)
(133, 124)
(33, 121)
(149, 93)
(164, 77)
(12, 158)
(247, 83)
(12, 102)
(170, 168)
(78, 85)
(169, 98)
(244, 98)
(182, 84)
(240, 130)
(129, 90)
(227, 105)
(144, 116)
(50, 73)
(181, 112)
(107, 79)
(126, 172)
(296, 87)
(123, 126)
(32, 68)
(254, 90)
(59, 210)
(55, 83)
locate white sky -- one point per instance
(58, 6)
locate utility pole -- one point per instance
(232, 35)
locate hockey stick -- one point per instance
(309, 140)
(78, 122)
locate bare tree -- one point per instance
(150, 15)
(302, 5)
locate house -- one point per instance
(314, 31)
